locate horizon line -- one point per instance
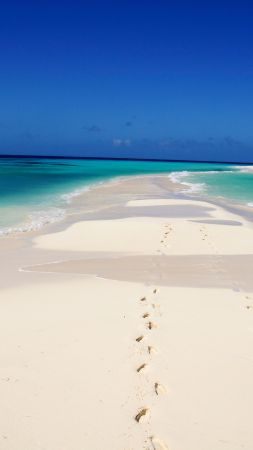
(123, 159)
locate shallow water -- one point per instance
(36, 191)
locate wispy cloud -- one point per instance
(121, 142)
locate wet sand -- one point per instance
(129, 326)
(183, 271)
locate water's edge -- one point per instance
(180, 183)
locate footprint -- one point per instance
(140, 368)
(155, 291)
(158, 444)
(145, 315)
(139, 338)
(151, 325)
(155, 305)
(160, 389)
(143, 299)
(141, 414)
(151, 350)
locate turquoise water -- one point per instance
(233, 183)
(35, 191)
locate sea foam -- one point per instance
(244, 169)
(178, 177)
(35, 221)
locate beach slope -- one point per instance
(131, 332)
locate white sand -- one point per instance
(121, 235)
(141, 234)
(68, 378)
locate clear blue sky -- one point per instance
(166, 79)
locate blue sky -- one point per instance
(127, 79)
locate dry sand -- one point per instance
(132, 330)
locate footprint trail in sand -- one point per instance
(158, 388)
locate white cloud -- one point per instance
(121, 142)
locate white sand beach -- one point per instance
(129, 327)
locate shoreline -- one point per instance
(74, 204)
(129, 325)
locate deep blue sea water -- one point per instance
(35, 191)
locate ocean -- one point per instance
(36, 191)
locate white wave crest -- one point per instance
(71, 195)
(36, 220)
(51, 214)
(244, 169)
(68, 197)
(193, 188)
